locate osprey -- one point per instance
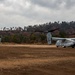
(60, 42)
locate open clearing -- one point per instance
(36, 60)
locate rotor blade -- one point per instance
(46, 30)
(53, 30)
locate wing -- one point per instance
(72, 38)
(57, 38)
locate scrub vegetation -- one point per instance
(35, 33)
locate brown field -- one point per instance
(36, 60)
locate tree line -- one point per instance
(31, 34)
(25, 38)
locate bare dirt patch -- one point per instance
(28, 45)
(36, 60)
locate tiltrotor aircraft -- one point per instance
(60, 42)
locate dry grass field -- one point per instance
(36, 60)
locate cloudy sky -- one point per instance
(30, 12)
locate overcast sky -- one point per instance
(30, 12)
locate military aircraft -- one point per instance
(60, 42)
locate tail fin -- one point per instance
(49, 38)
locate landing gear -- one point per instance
(64, 46)
(72, 46)
(57, 46)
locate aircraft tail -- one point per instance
(49, 38)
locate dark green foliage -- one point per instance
(62, 34)
(33, 38)
(6, 39)
(43, 37)
(20, 38)
(16, 39)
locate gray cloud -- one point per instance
(30, 12)
(48, 3)
(54, 4)
(2, 0)
(70, 3)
